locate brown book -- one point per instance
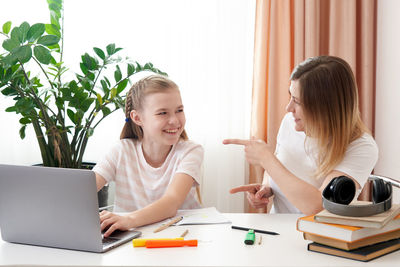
(374, 221)
(355, 244)
(362, 254)
(347, 233)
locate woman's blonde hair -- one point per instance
(329, 97)
(134, 101)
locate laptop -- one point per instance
(53, 207)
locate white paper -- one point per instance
(201, 216)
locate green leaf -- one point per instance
(54, 19)
(117, 74)
(35, 31)
(11, 109)
(16, 34)
(90, 62)
(71, 115)
(42, 54)
(122, 85)
(23, 53)
(99, 52)
(22, 132)
(53, 30)
(24, 120)
(99, 99)
(110, 49)
(104, 86)
(10, 44)
(84, 69)
(131, 69)
(107, 81)
(91, 76)
(8, 91)
(24, 28)
(47, 40)
(113, 93)
(9, 61)
(7, 27)
(90, 132)
(86, 104)
(138, 67)
(106, 111)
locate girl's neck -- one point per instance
(155, 154)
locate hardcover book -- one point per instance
(355, 244)
(362, 254)
(347, 233)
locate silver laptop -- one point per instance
(53, 207)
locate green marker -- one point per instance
(250, 237)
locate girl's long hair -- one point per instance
(329, 97)
(134, 101)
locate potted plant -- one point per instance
(63, 113)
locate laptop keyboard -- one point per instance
(108, 240)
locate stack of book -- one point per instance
(358, 238)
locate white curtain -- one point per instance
(206, 47)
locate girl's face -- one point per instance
(162, 117)
(295, 106)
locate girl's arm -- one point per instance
(258, 195)
(159, 210)
(100, 181)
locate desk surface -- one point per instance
(219, 245)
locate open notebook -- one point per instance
(201, 216)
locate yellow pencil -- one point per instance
(168, 224)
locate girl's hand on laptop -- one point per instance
(112, 222)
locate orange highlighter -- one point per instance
(170, 243)
(141, 242)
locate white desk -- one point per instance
(219, 245)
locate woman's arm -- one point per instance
(304, 196)
(161, 209)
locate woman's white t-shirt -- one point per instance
(298, 154)
(137, 184)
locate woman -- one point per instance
(320, 138)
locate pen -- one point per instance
(255, 230)
(168, 224)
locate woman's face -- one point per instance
(295, 106)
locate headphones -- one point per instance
(341, 190)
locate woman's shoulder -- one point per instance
(365, 145)
(365, 140)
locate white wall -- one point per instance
(387, 129)
(206, 47)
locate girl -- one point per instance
(321, 137)
(155, 168)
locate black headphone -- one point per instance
(340, 191)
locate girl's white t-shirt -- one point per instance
(137, 184)
(298, 154)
